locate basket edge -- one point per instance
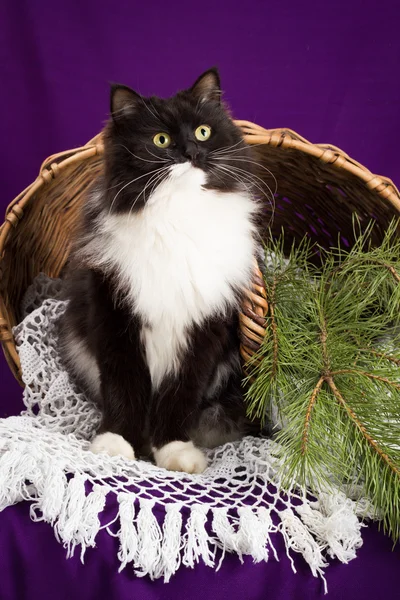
(252, 133)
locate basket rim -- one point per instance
(253, 134)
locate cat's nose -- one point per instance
(191, 151)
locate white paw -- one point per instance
(180, 456)
(113, 444)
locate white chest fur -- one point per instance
(179, 258)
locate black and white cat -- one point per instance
(156, 278)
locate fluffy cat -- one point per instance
(157, 274)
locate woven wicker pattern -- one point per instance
(318, 189)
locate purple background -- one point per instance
(328, 70)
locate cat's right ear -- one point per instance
(208, 86)
(123, 101)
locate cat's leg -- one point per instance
(177, 407)
(223, 416)
(174, 411)
(125, 385)
(123, 397)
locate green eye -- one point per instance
(203, 132)
(162, 140)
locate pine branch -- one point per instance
(370, 375)
(361, 427)
(392, 359)
(331, 370)
(324, 338)
(310, 407)
(393, 271)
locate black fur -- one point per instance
(97, 313)
(130, 151)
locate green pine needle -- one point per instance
(330, 363)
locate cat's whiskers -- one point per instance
(253, 162)
(271, 200)
(130, 182)
(251, 145)
(112, 187)
(157, 181)
(214, 172)
(140, 158)
(253, 175)
(223, 154)
(270, 197)
(154, 178)
(272, 194)
(225, 149)
(246, 145)
(258, 184)
(155, 156)
(249, 178)
(234, 176)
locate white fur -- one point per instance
(113, 444)
(178, 257)
(180, 456)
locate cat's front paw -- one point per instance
(180, 456)
(113, 444)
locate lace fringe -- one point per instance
(187, 534)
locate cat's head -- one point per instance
(146, 138)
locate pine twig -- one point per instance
(372, 261)
(392, 359)
(317, 389)
(362, 428)
(324, 337)
(390, 268)
(307, 420)
(365, 374)
(274, 330)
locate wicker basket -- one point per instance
(319, 187)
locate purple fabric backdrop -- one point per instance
(327, 70)
(372, 576)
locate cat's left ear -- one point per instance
(208, 86)
(123, 101)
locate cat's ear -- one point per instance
(123, 101)
(208, 86)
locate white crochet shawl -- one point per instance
(234, 506)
